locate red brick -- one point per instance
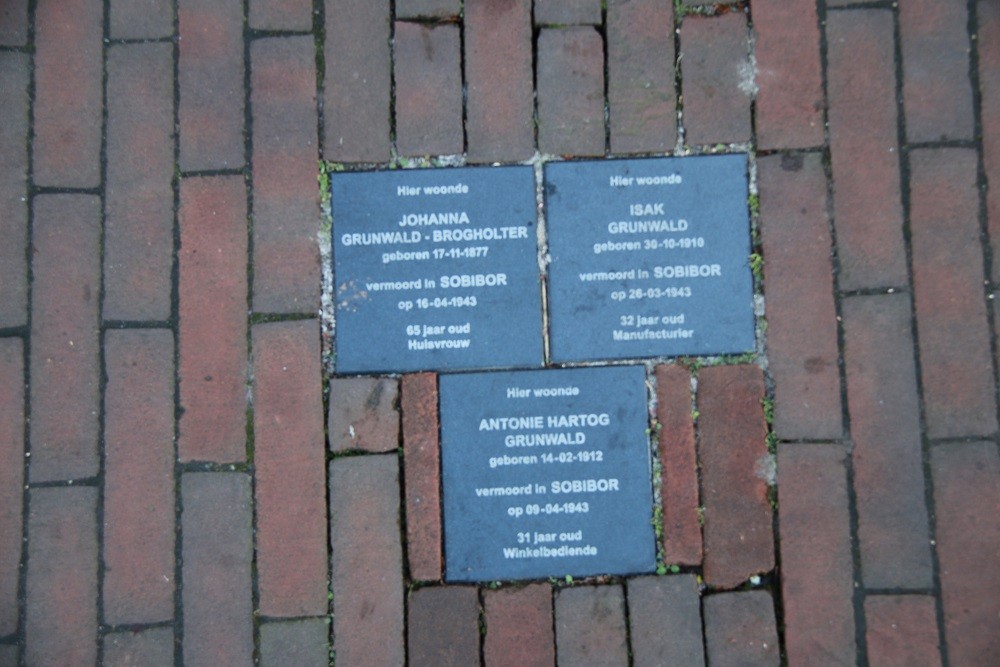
(217, 551)
(288, 444)
(286, 275)
(151, 648)
(801, 318)
(411, 9)
(948, 290)
(64, 337)
(305, 642)
(13, 188)
(790, 95)
(357, 87)
(739, 629)
(141, 19)
(61, 622)
(590, 626)
(11, 477)
(139, 476)
(817, 568)
(717, 79)
(861, 86)
(568, 12)
(571, 91)
(735, 466)
(500, 102)
(281, 15)
(967, 502)
(363, 414)
(656, 603)
(641, 96)
(937, 94)
(901, 630)
(139, 199)
(422, 473)
(213, 287)
(210, 78)
(14, 23)
(885, 427)
(443, 627)
(519, 627)
(366, 555)
(428, 89)
(988, 44)
(679, 462)
(67, 129)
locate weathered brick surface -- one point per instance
(801, 318)
(61, 622)
(366, 554)
(150, 648)
(139, 199)
(864, 150)
(357, 87)
(14, 23)
(285, 197)
(657, 603)
(213, 287)
(590, 626)
(140, 19)
(11, 477)
(717, 79)
(641, 96)
(10, 654)
(281, 14)
(740, 630)
(428, 62)
(13, 188)
(411, 9)
(816, 559)
(901, 630)
(988, 45)
(937, 95)
(500, 102)
(967, 500)
(305, 643)
(210, 77)
(885, 426)
(568, 12)
(790, 96)
(363, 414)
(443, 627)
(519, 627)
(571, 91)
(422, 474)
(679, 460)
(217, 552)
(952, 323)
(734, 469)
(64, 337)
(288, 445)
(67, 130)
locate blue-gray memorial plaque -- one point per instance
(546, 473)
(436, 269)
(649, 258)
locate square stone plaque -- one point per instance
(546, 474)
(649, 258)
(436, 269)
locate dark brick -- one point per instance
(13, 23)
(801, 318)
(816, 559)
(590, 626)
(739, 629)
(500, 101)
(363, 414)
(210, 78)
(366, 555)
(519, 627)
(13, 188)
(641, 96)
(212, 329)
(61, 623)
(67, 129)
(571, 91)
(281, 14)
(139, 200)
(656, 603)
(304, 643)
(422, 472)
(64, 337)
(217, 551)
(285, 196)
(11, 477)
(411, 9)
(885, 427)
(141, 19)
(357, 87)
(948, 290)
(288, 445)
(967, 500)
(443, 627)
(568, 12)
(901, 630)
(735, 467)
(935, 49)
(150, 648)
(988, 44)
(428, 89)
(10, 654)
(864, 151)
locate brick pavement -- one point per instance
(183, 481)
